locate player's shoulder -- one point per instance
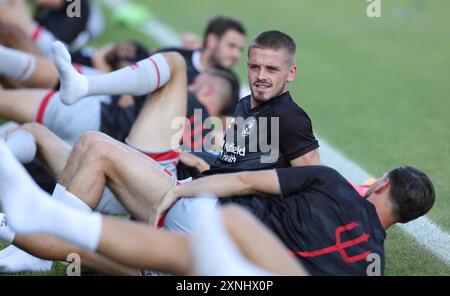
(285, 105)
(242, 104)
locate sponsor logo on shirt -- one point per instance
(248, 128)
(234, 149)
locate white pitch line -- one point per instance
(423, 230)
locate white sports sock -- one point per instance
(67, 198)
(6, 127)
(43, 39)
(12, 258)
(214, 252)
(18, 260)
(29, 209)
(7, 251)
(22, 145)
(140, 79)
(16, 64)
(6, 233)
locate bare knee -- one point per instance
(97, 147)
(176, 62)
(89, 142)
(34, 128)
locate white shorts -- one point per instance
(70, 122)
(179, 220)
(110, 205)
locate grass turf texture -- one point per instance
(376, 89)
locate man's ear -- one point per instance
(292, 73)
(211, 40)
(383, 186)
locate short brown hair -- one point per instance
(275, 40)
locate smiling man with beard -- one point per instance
(271, 68)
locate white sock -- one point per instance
(63, 196)
(43, 39)
(16, 64)
(6, 233)
(17, 260)
(22, 145)
(12, 258)
(140, 79)
(214, 252)
(29, 209)
(7, 251)
(6, 127)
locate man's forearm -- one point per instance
(237, 184)
(224, 185)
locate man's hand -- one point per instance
(190, 160)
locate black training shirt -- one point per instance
(319, 207)
(244, 144)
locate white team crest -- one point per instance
(248, 128)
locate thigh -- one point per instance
(20, 105)
(53, 151)
(138, 181)
(156, 128)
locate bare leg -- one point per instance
(152, 129)
(52, 151)
(12, 36)
(45, 75)
(98, 160)
(137, 245)
(50, 248)
(256, 242)
(20, 105)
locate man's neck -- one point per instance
(253, 103)
(384, 212)
(205, 58)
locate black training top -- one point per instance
(117, 121)
(323, 221)
(64, 28)
(245, 148)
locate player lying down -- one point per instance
(228, 242)
(315, 212)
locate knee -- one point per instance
(33, 127)
(176, 62)
(91, 143)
